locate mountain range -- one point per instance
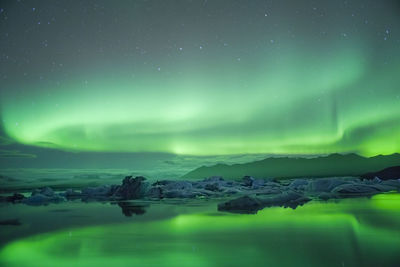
(291, 167)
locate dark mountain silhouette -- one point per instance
(289, 167)
(386, 174)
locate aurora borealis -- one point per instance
(202, 77)
(199, 133)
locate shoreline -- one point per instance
(242, 196)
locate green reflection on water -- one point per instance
(351, 232)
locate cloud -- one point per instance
(5, 141)
(15, 154)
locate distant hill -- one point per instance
(386, 174)
(287, 167)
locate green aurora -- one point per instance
(221, 86)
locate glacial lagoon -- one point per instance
(346, 232)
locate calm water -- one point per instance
(350, 232)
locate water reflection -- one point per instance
(351, 232)
(14, 222)
(129, 208)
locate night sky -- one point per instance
(200, 77)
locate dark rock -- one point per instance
(162, 183)
(326, 196)
(131, 188)
(113, 189)
(14, 222)
(244, 204)
(296, 202)
(385, 174)
(248, 181)
(15, 198)
(247, 204)
(213, 187)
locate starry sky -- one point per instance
(208, 77)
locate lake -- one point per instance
(348, 232)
